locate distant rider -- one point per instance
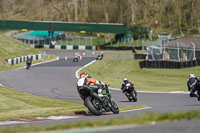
(194, 85)
(85, 82)
(123, 87)
(78, 56)
(29, 61)
(101, 54)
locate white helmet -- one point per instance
(125, 78)
(191, 76)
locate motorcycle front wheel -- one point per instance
(89, 103)
(134, 95)
(114, 108)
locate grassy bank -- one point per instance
(17, 105)
(10, 48)
(143, 119)
(113, 68)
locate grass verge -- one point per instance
(10, 48)
(142, 119)
(17, 105)
(5, 67)
(113, 68)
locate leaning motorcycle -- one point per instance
(130, 92)
(99, 57)
(98, 104)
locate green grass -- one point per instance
(17, 105)
(10, 48)
(142, 119)
(112, 72)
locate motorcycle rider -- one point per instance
(101, 54)
(123, 87)
(29, 61)
(78, 56)
(194, 85)
(85, 82)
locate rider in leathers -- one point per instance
(123, 87)
(193, 84)
(29, 61)
(85, 81)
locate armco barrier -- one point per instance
(120, 47)
(168, 64)
(65, 47)
(85, 47)
(21, 59)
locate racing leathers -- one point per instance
(85, 83)
(194, 85)
(29, 61)
(127, 87)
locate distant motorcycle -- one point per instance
(28, 63)
(99, 57)
(96, 106)
(130, 92)
(75, 59)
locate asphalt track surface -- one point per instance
(57, 80)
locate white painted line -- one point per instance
(38, 119)
(11, 122)
(136, 109)
(1, 85)
(38, 63)
(61, 117)
(56, 118)
(83, 68)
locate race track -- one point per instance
(57, 80)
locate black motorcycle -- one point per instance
(28, 63)
(99, 57)
(194, 91)
(75, 59)
(97, 104)
(130, 92)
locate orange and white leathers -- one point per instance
(85, 81)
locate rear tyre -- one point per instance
(114, 108)
(27, 67)
(90, 106)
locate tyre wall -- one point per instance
(168, 64)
